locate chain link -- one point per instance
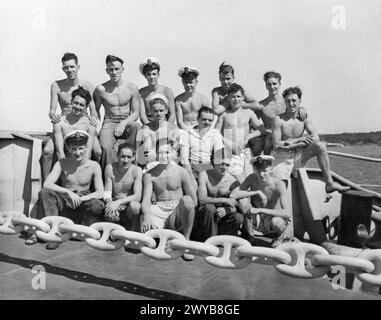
(296, 259)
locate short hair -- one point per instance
(69, 56)
(151, 66)
(204, 109)
(272, 74)
(165, 141)
(83, 93)
(226, 68)
(157, 101)
(292, 90)
(125, 146)
(111, 58)
(235, 87)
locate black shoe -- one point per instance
(52, 245)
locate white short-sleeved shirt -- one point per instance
(201, 148)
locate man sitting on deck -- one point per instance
(217, 212)
(290, 143)
(268, 203)
(73, 198)
(123, 189)
(174, 192)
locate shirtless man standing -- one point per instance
(220, 95)
(61, 94)
(150, 69)
(190, 101)
(175, 195)
(72, 198)
(123, 190)
(155, 130)
(120, 100)
(75, 120)
(217, 213)
(288, 139)
(236, 125)
(271, 206)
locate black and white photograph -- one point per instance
(211, 152)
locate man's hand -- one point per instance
(111, 211)
(146, 224)
(237, 149)
(221, 212)
(307, 139)
(93, 121)
(262, 196)
(54, 118)
(230, 202)
(119, 130)
(75, 199)
(302, 114)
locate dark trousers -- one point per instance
(108, 141)
(207, 225)
(52, 203)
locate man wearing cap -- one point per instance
(190, 101)
(76, 120)
(218, 213)
(268, 211)
(156, 129)
(73, 198)
(238, 126)
(120, 100)
(150, 69)
(200, 144)
(61, 94)
(295, 149)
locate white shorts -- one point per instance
(240, 163)
(290, 161)
(163, 214)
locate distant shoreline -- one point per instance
(354, 139)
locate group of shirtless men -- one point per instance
(175, 162)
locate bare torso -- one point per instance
(77, 178)
(218, 185)
(271, 109)
(167, 182)
(268, 187)
(236, 125)
(116, 99)
(291, 127)
(68, 124)
(122, 181)
(65, 89)
(190, 106)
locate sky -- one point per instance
(331, 49)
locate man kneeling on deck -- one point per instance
(289, 142)
(273, 220)
(123, 189)
(73, 198)
(174, 192)
(217, 214)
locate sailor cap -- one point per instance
(76, 136)
(148, 61)
(188, 72)
(153, 96)
(262, 161)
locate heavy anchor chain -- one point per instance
(105, 242)
(54, 234)
(372, 278)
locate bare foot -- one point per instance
(335, 187)
(32, 239)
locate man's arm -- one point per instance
(202, 191)
(242, 191)
(188, 187)
(184, 158)
(97, 97)
(108, 184)
(311, 130)
(146, 223)
(179, 116)
(54, 90)
(93, 112)
(58, 140)
(171, 105)
(134, 107)
(89, 148)
(284, 211)
(217, 107)
(257, 124)
(251, 103)
(98, 184)
(137, 189)
(142, 111)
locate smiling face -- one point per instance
(272, 86)
(71, 68)
(292, 102)
(125, 157)
(78, 105)
(114, 70)
(189, 85)
(236, 99)
(152, 77)
(261, 173)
